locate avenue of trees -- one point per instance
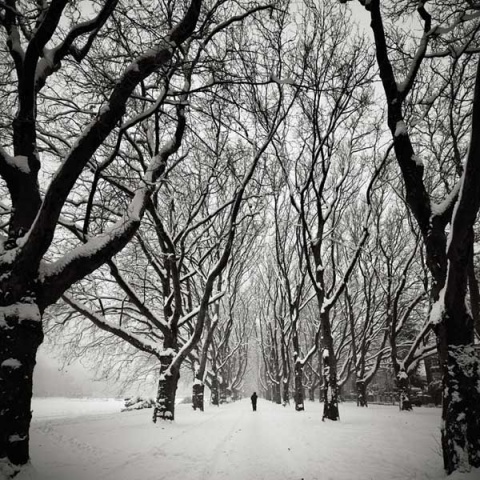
(190, 185)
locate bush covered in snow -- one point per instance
(137, 403)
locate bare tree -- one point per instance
(321, 172)
(449, 32)
(28, 284)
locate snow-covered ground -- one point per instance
(234, 443)
(58, 407)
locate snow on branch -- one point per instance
(140, 342)
(57, 276)
(196, 310)
(330, 301)
(42, 230)
(414, 355)
(439, 209)
(404, 87)
(19, 162)
(133, 297)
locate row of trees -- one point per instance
(178, 175)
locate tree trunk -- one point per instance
(167, 389)
(311, 393)
(277, 396)
(215, 394)
(198, 393)
(299, 405)
(361, 387)
(428, 370)
(330, 388)
(474, 293)
(403, 386)
(268, 392)
(286, 393)
(20, 336)
(223, 392)
(461, 396)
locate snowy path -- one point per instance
(234, 443)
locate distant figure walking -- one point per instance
(253, 398)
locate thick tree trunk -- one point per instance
(277, 397)
(268, 393)
(428, 370)
(167, 389)
(330, 388)
(461, 395)
(215, 393)
(223, 392)
(361, 388)
(20, 336)
(299, 400)
(235, 394)
(403, 386)
(198, 393)
(474, 293)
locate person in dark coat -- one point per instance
(253, 398)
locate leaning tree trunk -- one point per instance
(361, 388)
(298, 374)
(167, 388)
(21, 334)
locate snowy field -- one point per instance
(234, 443)
(58, 407)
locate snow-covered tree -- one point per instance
(37, 42)
(430, 75)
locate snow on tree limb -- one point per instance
(214, 298)
(41, 232)
(138, 341)
(82, 260)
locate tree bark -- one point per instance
(361, 387)
(223, 391)
(286, 392)
(403, 386)
(461, 410)
(299, 400)
(330, 388)
(20, 336)
(268, 393)
(447, 262)
(311, 393)
(474, 293)
(277, 397)
(167, 389)
(215, 393)
(198, 394)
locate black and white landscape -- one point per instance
(203, 199)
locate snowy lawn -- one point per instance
(232, 442)
(57, 407)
